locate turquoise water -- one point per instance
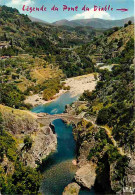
(58, 170)
(56, 107)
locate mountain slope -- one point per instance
(109, 47)
(65, 23)
(33, 19)
(94, 22)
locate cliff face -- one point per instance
(44, 143)
(19, 121)
(92, 153)
(130, 171)
(85, 141)
(86, 174)
(24, 123)
(112, 168)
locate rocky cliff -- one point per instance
(72, 189)
(22, 123)
(112, 169)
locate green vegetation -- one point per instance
(75, 62)
(27, 142)
(110, 46)
(11, 96)
(129, 23)
(108, 155)
(39, 51)
(34, 55)
(111, 165)
(101, 140)
(56, 45)
(115, 92)
(51, 87)
(36, 59)
(15, 178)
(24, 180)
(126, 56)
(111, 103)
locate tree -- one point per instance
(25, 180)
(1, 124)
(125, 25)
(103, 116)
(129, 22)
(28, 142)
(116, 28)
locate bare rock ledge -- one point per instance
(86, 175)
(72, 189)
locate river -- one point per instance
(58, 170)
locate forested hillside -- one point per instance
(110, 46)
(37, 58)
(111, 105)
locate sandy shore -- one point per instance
(81, 83)
(37, 99)
(77, 86)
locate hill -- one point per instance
(109, 47)
(39, 51)
(37, 20)
(31, 37)
(94, 22)
(105, 136)
(36, 58)
(65, 23)
(22, 146)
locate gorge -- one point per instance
(58, 169)
(66, 144)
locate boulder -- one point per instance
(72, 189)
(86, 175)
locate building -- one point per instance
(4, 44)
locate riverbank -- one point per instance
(60, 167)
(81, 83)
(77, 86)
(37, 99)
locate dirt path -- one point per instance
(109, 133)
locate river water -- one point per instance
(58, 170)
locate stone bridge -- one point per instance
(44, 118)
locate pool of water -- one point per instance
(56, 107)
(58, 170)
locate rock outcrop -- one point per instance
(7, 165)
(86, 175)
(21, 123)
(72, 189)
(130, 178)
(44, 143)
(131, 172)
(85, 141)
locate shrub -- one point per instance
(103, 116)
(28, 142)
(125, 25)
(129, 22)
